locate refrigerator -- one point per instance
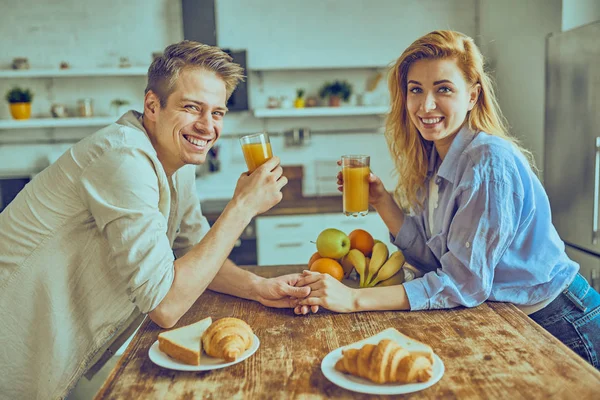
(572, 143)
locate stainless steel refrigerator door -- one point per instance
(590, 265)
(572, 134)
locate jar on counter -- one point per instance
(85, 107)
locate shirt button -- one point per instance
(438, 181)
(467, 245)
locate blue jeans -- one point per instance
(574, 319)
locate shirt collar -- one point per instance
(462, 139)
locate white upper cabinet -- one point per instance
(334, 33)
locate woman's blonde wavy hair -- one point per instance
(407, 147)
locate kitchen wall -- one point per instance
(290, 45)
(579, 12)
(513, 38)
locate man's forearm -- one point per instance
(235, 281)
(195, 270)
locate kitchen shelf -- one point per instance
(314, 68)
(55, 122)
(319, 111)
(73, 72)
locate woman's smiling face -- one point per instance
(438, 98)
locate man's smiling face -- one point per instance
(191, 121)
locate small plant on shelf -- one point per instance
(336, 91)
(20, 102)
(299, 102)
(118, 105)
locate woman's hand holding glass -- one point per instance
(377, 191)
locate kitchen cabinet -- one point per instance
(589, 265)
(289, 239)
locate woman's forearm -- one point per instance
(390, 213)
(381, 299)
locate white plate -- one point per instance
(361, 385)
(207, 363)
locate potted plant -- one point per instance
(118, 104)
(336, 91)
(299, 102)
(20, 102)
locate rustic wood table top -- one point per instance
(491, 351)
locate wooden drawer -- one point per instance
(287, 239)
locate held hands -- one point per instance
(282, 291)
(261, 190)
(376, 189)
(325, 291)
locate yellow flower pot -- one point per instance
(299, 102)
(20, 110)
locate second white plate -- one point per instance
(361, 385)
(207, 362)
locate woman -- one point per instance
(480, 227)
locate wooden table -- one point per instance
(491, 351)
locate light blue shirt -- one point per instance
(493, 239)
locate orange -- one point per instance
(361, 240)
(328, 266)
(313, 258)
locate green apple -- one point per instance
(333, 243)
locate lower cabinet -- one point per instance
(589, 265)
(290, 239)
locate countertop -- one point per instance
(492, 351)
(303, 205)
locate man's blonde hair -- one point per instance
(164, 70)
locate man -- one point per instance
(113, 230)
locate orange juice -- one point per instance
(256, 154)
(356, 189)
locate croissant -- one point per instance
(386, 362)
(227, 338)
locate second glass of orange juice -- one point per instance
(355, 172)
(257, 150)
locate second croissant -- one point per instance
(227, 338)
(386, 362)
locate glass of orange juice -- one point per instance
(355, 172)
(257, 150)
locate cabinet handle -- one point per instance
(296, 225)
(594, 280)
(289, 245)
(596, 193)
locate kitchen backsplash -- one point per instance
(318, 159)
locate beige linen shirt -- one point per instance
(90, 240)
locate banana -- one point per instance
(378, 258)
(390, 268)
(357, 258)
(347, 266)
(397, 279)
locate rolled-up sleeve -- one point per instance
(412, 240)
(122, 193)
(194, 225)
(482, 229)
